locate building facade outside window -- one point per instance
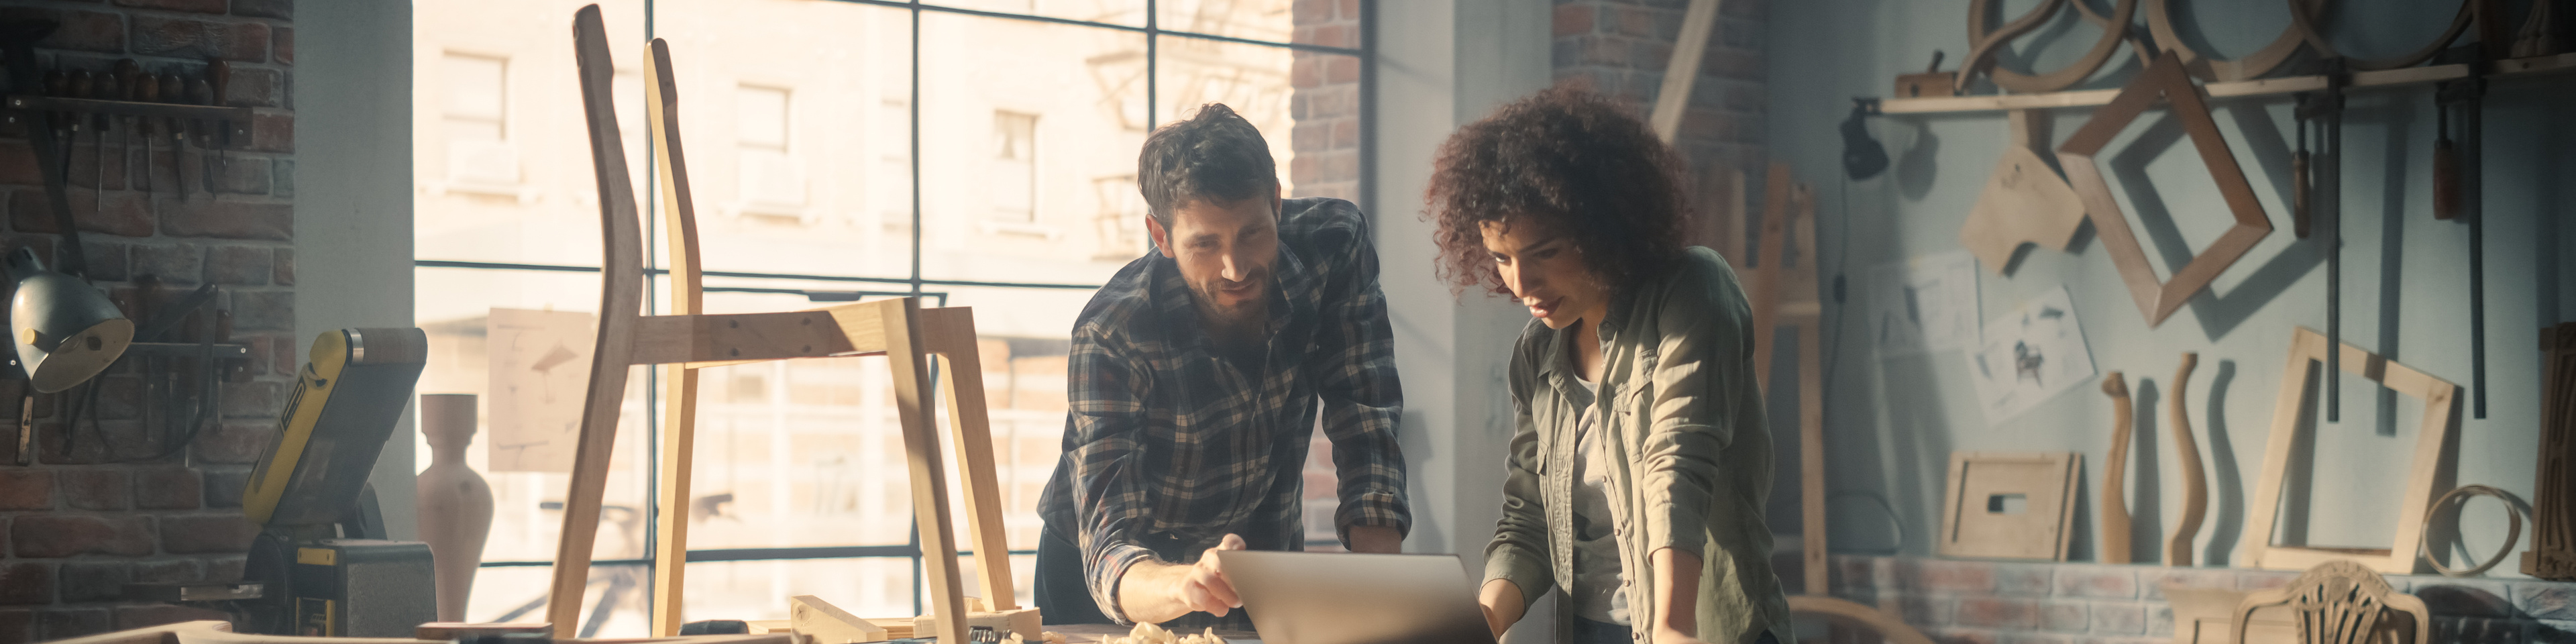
(976, 153)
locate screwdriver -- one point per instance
(219, 76)
(83, 85)
(174, 90)
(203, 93)
(147, 89)
(131, 76)
(107, 90)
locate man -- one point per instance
(1196, 377)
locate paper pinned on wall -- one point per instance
(539, 374)
(1925, 304)
(2029, 355)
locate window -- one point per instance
(772, 182)
(475, 118)
(878, 149)
(1015, 167)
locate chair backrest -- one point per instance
(2339, 602)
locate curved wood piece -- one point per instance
(2514, 508)
(680, 381)
(2165, 82)
(1982, 44)
(2116, 545)
(2305, 19)
(2195, 483)
(2024, 202)
(2114, 31)
(1889, 628)
(621, 291)
(2441, 404)
(2255, 65)
(2338, 602)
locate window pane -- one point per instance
(532, 196)
(1271, 20)
(1076, 89)
(455, 307)
(1116, 12)
(796, 123)
(1305, 104)
(518, 594)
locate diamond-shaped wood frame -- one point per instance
(2166, 82)
(2441, 409)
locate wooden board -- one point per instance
(621, 301)
(1976, 519)
(679, 381)
(2553, 502)
(2163, 81)
(1699, 23)
(2116, 545)
(2441, 406)
(2024, 201)
(2195, 482)
(825, 623)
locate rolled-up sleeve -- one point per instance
(1107, 419)
(1701, 378)
(1353, 368)
(1519, 552)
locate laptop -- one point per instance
(1348, 598)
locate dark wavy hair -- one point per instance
(1215, 155)
(1572, 163)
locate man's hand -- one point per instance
(1503, 605)
(1154, 592)
(1380, 539)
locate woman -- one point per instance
(1641, 462)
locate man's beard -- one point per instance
(1247, 313)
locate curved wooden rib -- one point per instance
(2304, 20)
(2195, 487)
(680, 381)
(2116, 545)
(2337, 602)
(1887, 627)
(2114, 31)
(2263, 61)
(621, 286)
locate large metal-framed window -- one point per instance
(1191, 51)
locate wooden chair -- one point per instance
(2339, 602)
(899, 329)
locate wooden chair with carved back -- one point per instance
(2341, 602)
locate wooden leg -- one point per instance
(905, 356)
(671, 546)
(621, 302)
(1811, 453)
(962, 373)
(2116, 546)
(2195, 484)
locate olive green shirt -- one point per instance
(1687, 449)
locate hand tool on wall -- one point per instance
(109, 89)
(2321, 177)
(175, 90)
(2459, 99)
(219, 78)
(83, 85)
(136, 86)
(58, 83)
(202, 93)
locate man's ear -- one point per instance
(1162, 238)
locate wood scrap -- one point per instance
(2116, 545)
(2024, 201)
(2009, 505)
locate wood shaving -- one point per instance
(1049, 637)
(1152, 634)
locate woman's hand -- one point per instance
(1503, 605)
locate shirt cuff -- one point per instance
(1529, 574)
(1111, 570)
(1373, 509)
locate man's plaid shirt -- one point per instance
(1168, 447)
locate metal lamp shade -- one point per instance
(64, 330)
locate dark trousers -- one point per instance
(1063, 595)
(1586, 631)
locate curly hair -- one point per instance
(1572, 163)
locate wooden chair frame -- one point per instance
(2441, 409)
(2339, 601)
(2163, 81)
(899, 329)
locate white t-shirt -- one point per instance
(1600, 581)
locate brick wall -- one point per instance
(1325, 102)
(87, 518)
(1986, 602)
(1620, 48)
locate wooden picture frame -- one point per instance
(2162, 82)
(2441, 412)
(1972, 524)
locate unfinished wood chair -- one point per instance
(899, 329)
(2340, 602)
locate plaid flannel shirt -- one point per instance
(1168, 447)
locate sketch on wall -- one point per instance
(2029, 355)
(1925, 304)
(540, 371)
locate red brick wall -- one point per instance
(1620, 48)
(85, 520)
(1326, 103)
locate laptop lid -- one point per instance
(1349, 598)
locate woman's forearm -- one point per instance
(1676, 576)
(1503, 604)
